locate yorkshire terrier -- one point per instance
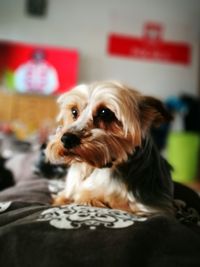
(104, 138)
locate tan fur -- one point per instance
(88, 182)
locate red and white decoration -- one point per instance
(38, 69)
(150, 46)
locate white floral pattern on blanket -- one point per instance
(75, 216)
(4, 206)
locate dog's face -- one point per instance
(102, 123)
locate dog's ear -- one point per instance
(152, 112)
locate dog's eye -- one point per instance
(74, 113)
(105, 114)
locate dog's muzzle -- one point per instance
(70, 140)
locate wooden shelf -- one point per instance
(31, 110)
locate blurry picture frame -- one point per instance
(37, 69)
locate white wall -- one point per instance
(85, 25)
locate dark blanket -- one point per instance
(34, 234)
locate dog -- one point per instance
(104, 137)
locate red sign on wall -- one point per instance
(150, 46)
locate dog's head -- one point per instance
(102, 123)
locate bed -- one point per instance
(35, 233)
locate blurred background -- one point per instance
(48, 46)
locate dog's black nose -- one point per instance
(70, 140)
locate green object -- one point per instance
(9, 79)
(183, 154)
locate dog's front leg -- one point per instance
(61, 199)
(87, 198)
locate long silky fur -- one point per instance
(117, 159)
(148, 176)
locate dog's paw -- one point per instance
(94, 202)
(60, 200)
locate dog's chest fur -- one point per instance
(86, 184)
